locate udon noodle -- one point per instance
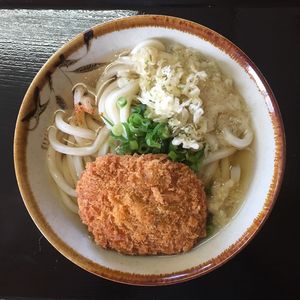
(179, 86)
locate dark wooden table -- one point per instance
(269, 33)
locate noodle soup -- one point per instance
(159, 98)
(224, 197)
(81, 61)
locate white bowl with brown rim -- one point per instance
(78, 60)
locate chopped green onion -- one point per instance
(162, 130)
(138, 125)
(142, 135)
(123, 149)
(143, 148)
(151, 141)
(139, 109)
(156, 150)
(173, 147)
(135, 119)
(194, 159)
(119, 138)
(133, 145)
(172, 155)
(146, 122)
(180, 152)
(122, 102)
(117, 129)
(136, 130)
(126, 131)
(147, 113)
(165, 132)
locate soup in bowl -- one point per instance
(149, 150)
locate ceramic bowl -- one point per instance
(79, 60)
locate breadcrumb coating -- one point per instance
(142, 204)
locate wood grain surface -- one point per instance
(32, 36)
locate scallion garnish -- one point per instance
(133, 145)
(142, 135)
(117, 129)
(122, 102)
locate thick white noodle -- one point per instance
(113, 70)
(68, 202)
(217, 155)
(92, 124)
(72, 130)
(87, 102)
(148, 43)
(212, 141)
(104, 148)
(127, 60)
(101, 85)
(101, 100)
(78, 91)
(79, 151)
(66, 172)
(125, 111)
(58, 162)
(86, 89)
(235, 173)
(56, 175)
(70, 162)
(111, 102)
(81, 141)
(237, 142)
(209, 171)
(72, 168)
(78, 165)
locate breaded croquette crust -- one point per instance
(142, 204)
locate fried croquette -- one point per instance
(142, 204)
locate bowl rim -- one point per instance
(20, 141)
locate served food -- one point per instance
(142, 204)
(159, 106)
